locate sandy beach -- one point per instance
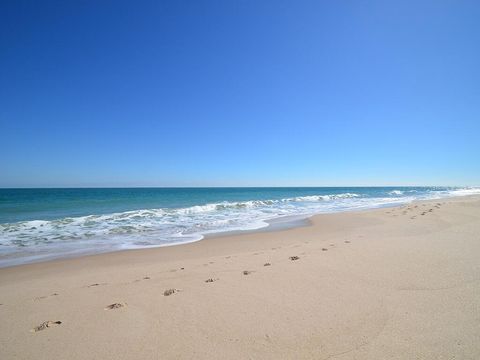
(396, 283)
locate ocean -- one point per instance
(41, 224)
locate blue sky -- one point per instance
(239, 93)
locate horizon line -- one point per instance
(225, 187)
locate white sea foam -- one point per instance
(322, 197)
(465, 191)
(37, 239)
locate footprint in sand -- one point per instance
(293, 258)
(347, 242)
(324, 249)
(267, 264)
(169, 292)
(44, 325)
(246, 272)
(115, 306)
(96, 284)
(211, 280)
(44, 297)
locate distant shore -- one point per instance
(390, 283)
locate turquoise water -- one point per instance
(39, 224)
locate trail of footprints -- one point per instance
(414, 210)
(168, 292)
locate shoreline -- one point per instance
(272, 226)
(283, 222)
(372, 284)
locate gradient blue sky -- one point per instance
(225, 93)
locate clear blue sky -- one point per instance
(225, 93)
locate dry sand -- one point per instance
(400, 283)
